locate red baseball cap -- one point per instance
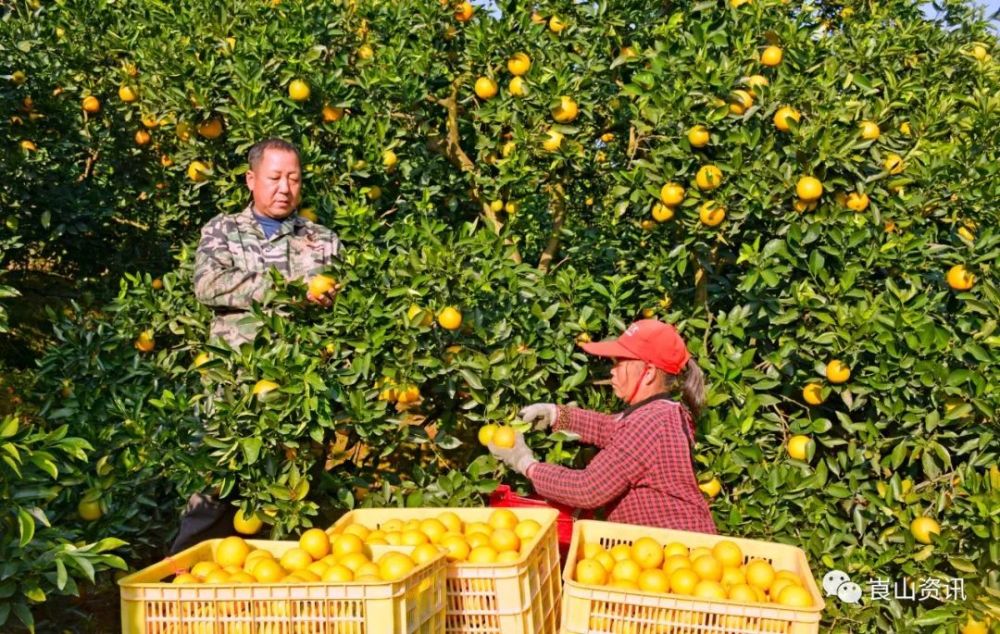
(646, 340)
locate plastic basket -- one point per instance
(412, 605)
(593, 610)
(517, 598)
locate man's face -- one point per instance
(276, 184)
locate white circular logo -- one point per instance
(832, 581)
(849, 592)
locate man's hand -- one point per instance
(519, 457)
(325, 299)
(543, 415)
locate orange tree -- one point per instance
(807, 190)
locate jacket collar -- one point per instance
(248, 222)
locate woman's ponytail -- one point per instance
(693, 388)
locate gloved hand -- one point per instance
(519, 457)
(543, 415)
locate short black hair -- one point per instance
(256, 153)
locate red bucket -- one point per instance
(504, 497)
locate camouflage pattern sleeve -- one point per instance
(218, 282)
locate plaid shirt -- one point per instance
(643, 473)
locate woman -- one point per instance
(644, 472)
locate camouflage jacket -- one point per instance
(232, 262)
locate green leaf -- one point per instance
(251, 449)
(26, 526)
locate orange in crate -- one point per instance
(489, 590)
(596, 608)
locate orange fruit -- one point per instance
(232, 551)
(621, 551)
(519, 64)
(464, 11)
(485, 88)
(295, 559)
(320, 285)
(739, 102)
(809, 188)
(647, 552)
(760, 574)
(837, 371)
(783, 115)
(922, 527)
(728, 554)
(211, 129)
(626, 569)
(676, 562)
(711, 488)
(566, 110)
(590, 572)
(433, 529)
(353, 561)
(708, 177)
(771, 56)
(508, 556)
(315, 542)
(674, 548)
(298, 90)
(89, 510)
(450, 318)
(661, 212)
(186, 577)
(457, 548)
(142, 137)
(707, 567)
(527, 529)
(708, 589)
(698, 136)
(216, 576)
(482, 555)
(360, 530)
(894, 164)
(683, 581)
(203, 568)
(91, 104)
(742, 593)
(711, 213)
(813, 394)
(654, 580)
(960, 279)
(268, 571)
(346, 544)
(788, 575)
(556, 25)
(552, 141)
(451, 521)
(198, 171)
(672, 194)
(870, 130)
(145, 342)
(700, 551)
(777, 587)
(733, 576)
(424, 553)
(337, 574)
(502, 518)
(332, 114)
(795, 596)
(504, 539)
(255, 557)
(504, 437)
(414, 538)
(798, 447)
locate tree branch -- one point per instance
(557, 194)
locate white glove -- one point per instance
(519, 457)
(543, 415)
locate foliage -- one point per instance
(539, 249)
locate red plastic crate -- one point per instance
(504, 497)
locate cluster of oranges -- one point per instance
(718, 573)
(502, 539)
(498, 435)
(317, 558)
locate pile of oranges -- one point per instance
(502, 539)
(318, 557)
(718, 573)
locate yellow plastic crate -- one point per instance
(413, 605)
(516, 598)
(593, 610)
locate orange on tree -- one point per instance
(552, 141)
(783, 115)
(672, 194)
(198, 171)
(739, 102)
(812, 394)
(89, 509)
(517, 88)
(566, 110)
(332, 114)
(755, 82)
(894, 163)
(127, 93)
(857, 202)
(809, 188)
(91, 104)
(698, 136)
(241, 523)
(504, 437)
(711, 213)
(142, 137)
(145, 342)
(519, 64)
(771, 56)
(298, 90)
(923, 527)
(450, 318)
(365, 52)
(837, 371)
(870, 131)
(711, 488)
(320, 285)
(798, 447)
(708, 177)
(485, 88)
(464, 11)
(661, 212)
(556, 25)
(263, 386)
(959, 278)
(211, 128)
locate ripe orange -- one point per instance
(739, 102)
(360, 530)
(198, 171)
(795, 596)
(231, 551)
(264, 386)
(203, 568)
(647, 552)
(186, 578)
(857, 202)
(960, 279)
(590, 572)
(708, 589)
(675, 562)
(298, 90)
(566, 110)
(733, 576)
(661, 212)
(837, 371)
(413, 537)
(798, 447)
(813, 394)
(315, 542)
(353, 561)
(332, 114)
(295, 559)
(698, 136)
(771, 56)
(216, 576)
(320, 285)
(711, 213)
(707, 567)
(145, 342)
(683, 581)
(742, 593)
(450, 318)
(922, 527)
(482, 555)
(527, 529)
(672, 194)
(464, 12)
(504, 437)
(760, 574)
(485, 88)
(783, 115)
(553, 141)
(423, 553)
(675, 548)
(211, 129)
(458, 549)
(346, 544)
(708, 177)
(654, 580)
(755, 82)
(728, 554)
(394, 566)
(870, 131)
(809, 188)
(556, 25)
(337, 574)
(241, 523)
(502, 518)
(91, 104)
(894, 164)
(519, 64)
(504, 539)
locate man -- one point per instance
(231, 272)
(236, 250)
